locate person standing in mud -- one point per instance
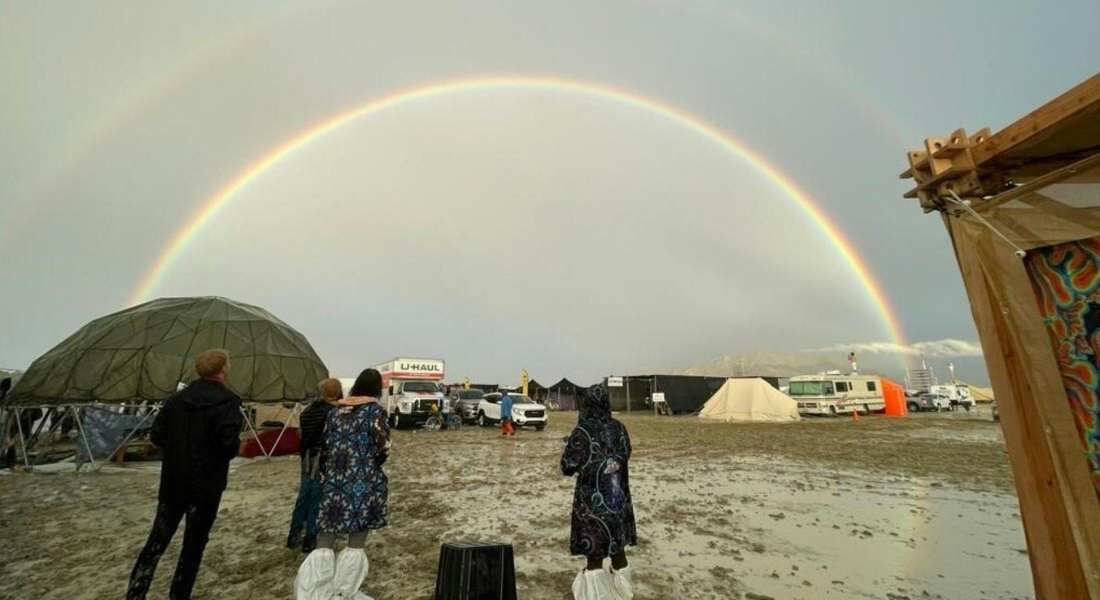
(598, 453)
(303, 521)
(198, 429)
(354, 492)
(507, 427)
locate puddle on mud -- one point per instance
(785, 533)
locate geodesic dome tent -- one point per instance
(145, 352)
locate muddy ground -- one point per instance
(883, 508)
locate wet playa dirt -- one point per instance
(883, 508)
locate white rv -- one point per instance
(957, 394)
(834, 393)
(411, 389)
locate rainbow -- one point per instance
(179, 241)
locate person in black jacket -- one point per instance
(311, 425)
(198, 430)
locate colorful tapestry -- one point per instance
(1066, 280)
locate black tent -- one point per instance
(537, 392)
(565, 394)
(683, 393)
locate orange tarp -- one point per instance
(894, 395)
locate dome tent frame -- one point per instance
(134, 359)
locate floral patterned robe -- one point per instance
(354, 488)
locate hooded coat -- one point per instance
(598, 453)
(198, 430)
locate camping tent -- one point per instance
(143, 354)
(565, 394)
(893, 395)
(749, 400)
(140, 356)
(536, 391)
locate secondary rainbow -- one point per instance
(182, 237)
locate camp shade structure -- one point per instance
(750, 399)
(566, 395)
(1022, 210)
(144, 354)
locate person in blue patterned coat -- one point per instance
(598, 454)
(354, 492)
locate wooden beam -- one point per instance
(1081, 98)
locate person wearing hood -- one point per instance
(598, 453)
(507, 427)
(198, 431)
(303, 521)
(354, 493)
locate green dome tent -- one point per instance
(143, 353)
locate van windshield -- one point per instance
(811, 388)
(420, 386)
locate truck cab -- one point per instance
(834, 394)
(412, 389)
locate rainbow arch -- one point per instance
(179, 241)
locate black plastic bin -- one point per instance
(476, 572)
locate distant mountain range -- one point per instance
(787, 364)
(766, 364)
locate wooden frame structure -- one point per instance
(1008, 201)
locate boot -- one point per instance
(592, 585)
(622, 584)
(314, 580)
(351, 570)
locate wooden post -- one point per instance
(1058, 502)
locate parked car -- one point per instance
(525, 412)
(464, 403)
(926, 402)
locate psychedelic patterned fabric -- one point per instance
(354, 489)
(598, 452)
(1066, 280)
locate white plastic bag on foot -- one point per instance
(622, 584)
(592, 585)
(351, 570)
(314, 580)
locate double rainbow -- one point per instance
(179, 241)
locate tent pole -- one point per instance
(293, 412)
(22, 440)
(38, 430)
(84, 438)
(126, 439)
(253, 430)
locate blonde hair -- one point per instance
(331, 389)
(212, 362)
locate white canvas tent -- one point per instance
(749, 400)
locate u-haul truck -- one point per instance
(411, 388)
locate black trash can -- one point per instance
(470, 571)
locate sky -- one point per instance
(500, 228)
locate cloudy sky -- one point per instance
(509, 227)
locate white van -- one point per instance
(834, 394)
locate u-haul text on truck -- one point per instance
(412, 388)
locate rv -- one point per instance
(412, 388)
(957, 394)
(834, 394)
